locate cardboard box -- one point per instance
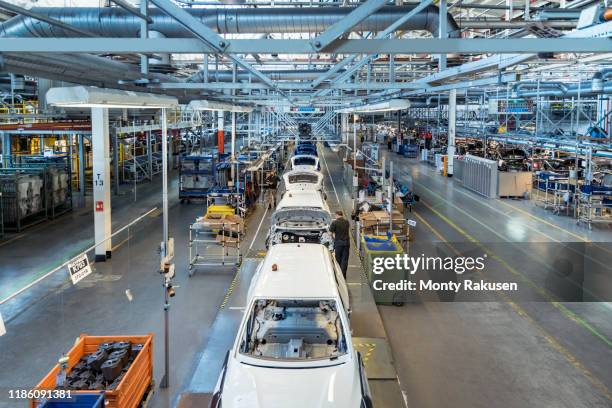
(227, 240)
(232, 222)
(377, 223)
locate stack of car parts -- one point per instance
(103, 369)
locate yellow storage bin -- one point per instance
(220, 210)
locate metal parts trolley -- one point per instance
(215, 242)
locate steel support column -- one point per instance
(233, 148)
(100, 140)
(81, 141)
(171, 148)
(249, 129)
(165, 381)
(149, 155)
(144, 29)
(452, 122)
(6, 150)
(164, 143)
(442, 34)
(115, 139)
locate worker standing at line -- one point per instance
(272, 187)
(340, 228)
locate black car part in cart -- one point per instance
(122, 355)
(112, 368)
(95, 360)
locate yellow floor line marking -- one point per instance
(230, 290)
(569, 357)
(476, 220)
(370, 347)
(501, 236)
(481, 202)
(504, 238)
(15, 238)
(436, 233)
(121, 243)
(155, 213)
(565, 311)
(543, 221)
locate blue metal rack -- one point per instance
(409, 150)
(595, 204)
(197, 175)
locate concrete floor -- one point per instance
(498, 352)
(46, 320)
(508, 353)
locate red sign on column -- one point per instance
(99, 206)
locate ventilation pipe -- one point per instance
(81, 69)
(276, 75)
(518, 87)
(116, 22)
(595, 86)
(597, 82)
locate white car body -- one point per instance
(312, 165)
(294, 346)
(300, 216)
(303, 180)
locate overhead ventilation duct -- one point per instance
(276, 75)
(379, 107)
(116, 22)
(81, 69)
(520, 86)
(597, 85)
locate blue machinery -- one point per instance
(197, 175)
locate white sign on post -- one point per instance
(79, 268)
(2, 327)
(412, 223)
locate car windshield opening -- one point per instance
(303, 178)
(304, 161)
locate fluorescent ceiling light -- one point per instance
(92, 97)
(387, 106)
(200, 105)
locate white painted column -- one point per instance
(249, 127)
(82, 169)
(452, 119)
(100, 140)
(355, 117)
(355, 175)
(233, 147)
(344, 127)
(443, 31)
(164, 142)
